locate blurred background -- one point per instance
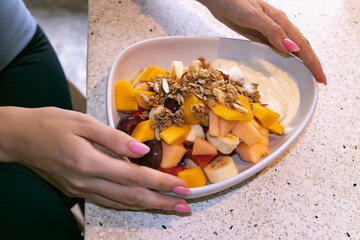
(65, 24)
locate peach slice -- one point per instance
(172, 154)
(246, 132)
(214, 124)
(252, 153)
(203, 147)
(226, 126)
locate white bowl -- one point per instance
(162, 51)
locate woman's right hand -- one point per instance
(58, 145)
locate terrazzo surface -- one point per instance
(311, 191)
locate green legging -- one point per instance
(31, 208)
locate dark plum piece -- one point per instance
(128, 123)
(171, 104)
(153, 158)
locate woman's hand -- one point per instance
(58, 145)
(256, 19)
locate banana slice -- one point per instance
(177, 70)
(225, 144)
(221, 168)
(196, 130)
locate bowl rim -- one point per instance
(255, 168)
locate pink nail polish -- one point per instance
(181, 190)
(324, 79)
(290, 45)
(138, 147)
(182, 208)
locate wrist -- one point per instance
(7, 127)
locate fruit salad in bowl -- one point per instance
(213, 111)
(194, 119)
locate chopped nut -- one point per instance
(144, 98)
(195, 66)
(198, 110)
(157, 134)
(240, 108)
(211, 102)
(156, 87)
(165, 86)
(220, 96)
(239, 102)
(144, 114)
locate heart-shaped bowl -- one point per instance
(162, 51)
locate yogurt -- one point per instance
(276, 87)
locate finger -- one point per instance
(306, 53)
(273, 32)
(112, 139)
(125, 173)
(113, 204)
(312, 62)
(135, 196)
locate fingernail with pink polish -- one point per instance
(181, 190)
(138, 147)
(324, 79)
(290, 45)
(182, 208)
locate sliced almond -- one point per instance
(240, 108)
(165, 86)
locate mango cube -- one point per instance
(143, 131)
(275, 127)
(124, 96)
(189, 116)
(193, 177)
(175, 134)
(139, 100)
(152, 72)
(265, 116)
(233, 114)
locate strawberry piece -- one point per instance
(200, 160)
(174, 170)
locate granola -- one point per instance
(210, 85)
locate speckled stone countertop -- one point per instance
(311, 191)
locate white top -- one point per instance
(17, 27)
